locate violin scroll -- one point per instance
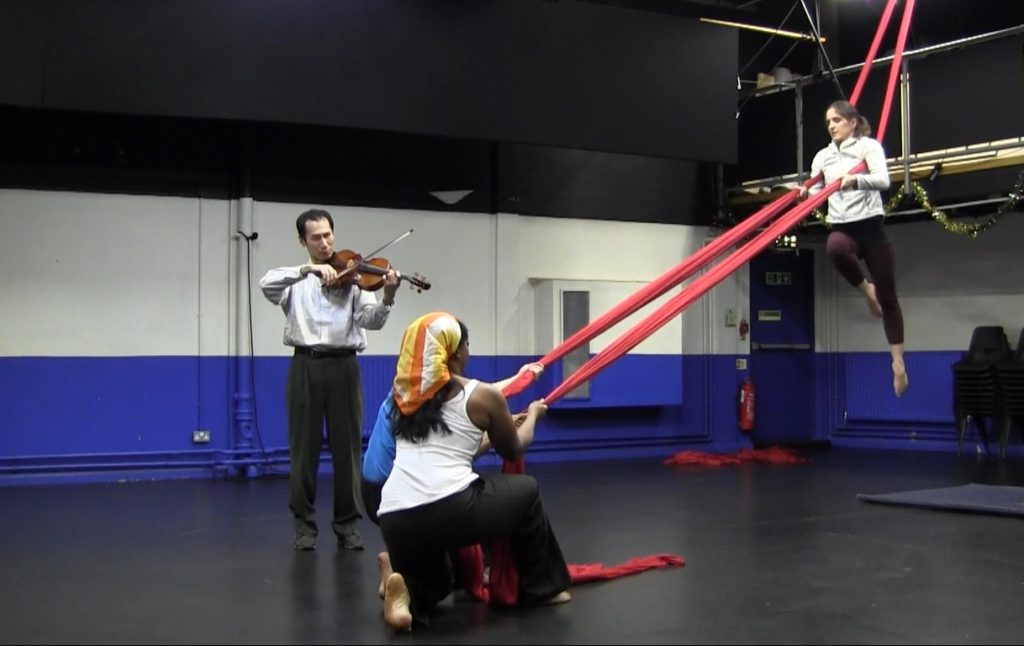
(417, 282)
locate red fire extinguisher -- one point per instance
(747, 405)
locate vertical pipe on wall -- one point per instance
(199, 314)
(707, 350)
(244, 414)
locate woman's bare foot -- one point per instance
(396, 603)
(900, 381)
(873, 305)
(561, 597)
(384, 566)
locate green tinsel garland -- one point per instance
(961, 228)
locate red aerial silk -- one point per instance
(656, 288)
(719, 245)
(702, 285)
(863, 77)
(695, 290)
(471, 572)
(894, 69)
(504, 577)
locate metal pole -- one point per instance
(956, 153)
(942, 47)
(799, 103)
(905, 120)
(822, 54)
(907, 55)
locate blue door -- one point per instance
(782, 346)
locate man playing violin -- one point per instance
(326, 318)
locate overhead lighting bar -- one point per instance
(795, 35)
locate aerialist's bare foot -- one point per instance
(396, 603)
(873, 305)
(900, 381)
(561, 597)
(384, 565)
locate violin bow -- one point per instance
(401, 237)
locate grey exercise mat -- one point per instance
(975, 498)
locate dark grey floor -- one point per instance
(774, 554)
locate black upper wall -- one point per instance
(959, 97)
(563, 74)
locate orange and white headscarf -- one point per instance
(422, 368)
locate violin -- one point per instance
(369, 274)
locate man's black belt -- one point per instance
(324, 353)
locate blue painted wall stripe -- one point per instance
(121, 415)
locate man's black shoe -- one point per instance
(351, 541)
(305, 542)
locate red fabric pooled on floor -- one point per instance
(471, 572)
(503, 588)
(599, 572)
(773, 455)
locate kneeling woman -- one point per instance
(434, 502)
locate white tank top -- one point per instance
(437, 467)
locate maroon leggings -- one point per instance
(851, 241)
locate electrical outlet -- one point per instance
(730, 317)
(200, 437)
(741, 364)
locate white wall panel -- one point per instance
(99, 275)
(216, 266)
(930, 323)
(603, 296)
(733, 292)
(948, 284)
(533, 249)
(514, 313)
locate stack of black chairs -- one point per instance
(975, 390)
(1010, 401)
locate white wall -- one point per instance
(112, 275)
(117, 275)
(453, 251)
(614, 257)
(948, 284)
(732, 293)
